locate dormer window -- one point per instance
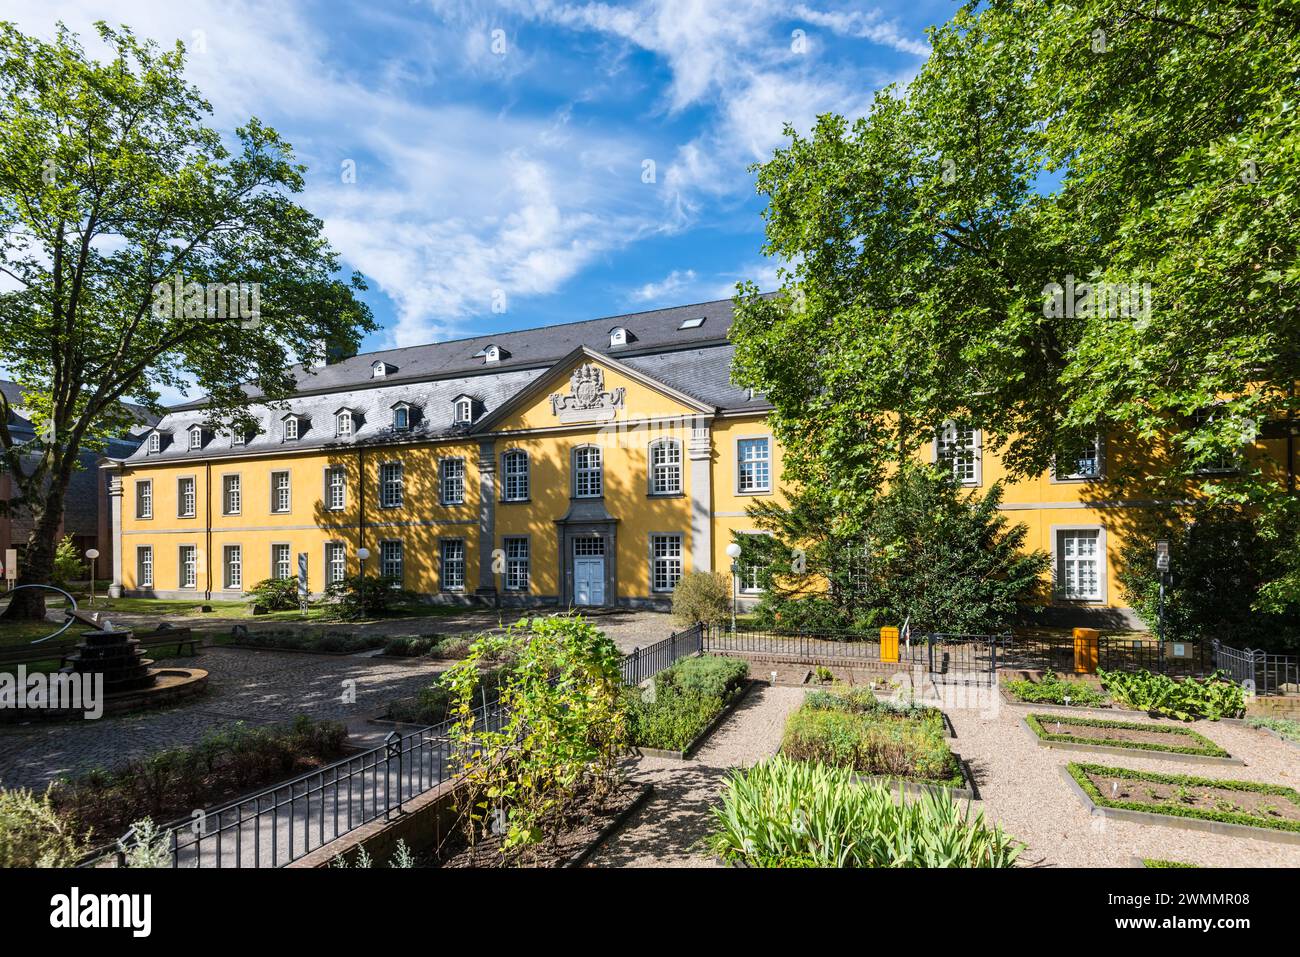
(290, 428)
(464, 410)
(155, 442)
(491, 353)
(343, 423)
(401, 417)
(379, 368)
(196, 437)
(237, 438)
(619, 336)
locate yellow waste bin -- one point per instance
(1085, 650)
(889, 644)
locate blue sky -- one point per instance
(501, 149)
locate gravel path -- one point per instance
(1019, 786)
(663, 833)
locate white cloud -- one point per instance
(670, 285)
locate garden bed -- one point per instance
(1171, 742)
(730, 705)
(1267, 812)
(672, 715)
(877, 741)
(587, 829)
(328, 643)
(1283, 729)
(1049, 692)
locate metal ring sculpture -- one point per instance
(67, 624)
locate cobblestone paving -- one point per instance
(665, 831)
(259, 687)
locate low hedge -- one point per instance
(1080, 774)
(1202, 746)
(684, 699)
(344, 642)
(173, 782)
(1052, 690)
(430, 646)
(432, 705)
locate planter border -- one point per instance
(1015, 702)
(1180, 822)
(685, 753)
(1276, 734)
(1136, 751)
(611, 827)
(911, 786)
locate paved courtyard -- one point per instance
(267, 687)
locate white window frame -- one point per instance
(392, 560)
(196, 438)
(946, 437)
(155, 443)
(451, 568)
(276, 490)
(144, 499)
(237, 438)
(275, 561)
(336, 562)
(664, 457)
(667, 551)
(232, 567)
(187, 503)
(464, 410)
(404, 411)
(331, 486)
(187, 574)
(515, 485)
(1059, 589)
(451, 481)
(343, 425)
(144, 566)
(590, 476)
(518, 554)
(1099, 443)
(753, 465)
(392, 491)
(743, 571)
(290, 432)
(232, 494)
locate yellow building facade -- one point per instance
(590, 463)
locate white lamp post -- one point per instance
(363, 553)
(733, 552)
(92, 554)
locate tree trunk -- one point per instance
(38, 561)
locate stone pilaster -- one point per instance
(487, 503)
(115, 489)
(700, 454)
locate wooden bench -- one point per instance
(63, 649)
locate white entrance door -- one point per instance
(589, 581)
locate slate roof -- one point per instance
(117, 445)
(694, 361)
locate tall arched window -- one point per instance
(587, 479)
(514, 476)
(665, 467)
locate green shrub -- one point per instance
(34, 834)
(69, 564)
(870, 744)
(1284, 726)
(670, 720)
(1191, 698)
(784, 813)
(1050, 689)
(710, 675)
(360, 597)
(702, 597)
(276, 594)
(335, 641)
(432, 646)
(171, 782)
(861, 700)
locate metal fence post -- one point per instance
(393, 749)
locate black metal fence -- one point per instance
(284, 823)
(1268, 673)
(1114, 653)
(948, 657)
(642, 663)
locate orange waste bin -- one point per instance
(1085, 650)
(889, 644)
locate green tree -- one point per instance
(926, 550)
(113, 193)
(1145, 142)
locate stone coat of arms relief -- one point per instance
(587, 400)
